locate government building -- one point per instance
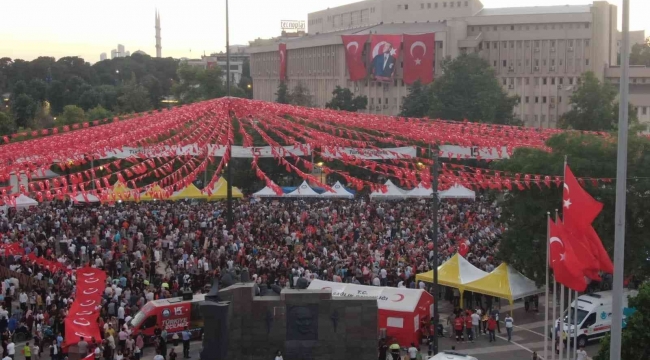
(538, 52)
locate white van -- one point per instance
(594, 315)
(450, 355)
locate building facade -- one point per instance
(538, 53)
(102, 57)
(238, 55)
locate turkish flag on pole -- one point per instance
(283, 61)
(463, 249)
(419, 52)
(384, 52)
(580, 210)
(566, 267)
(353, 49)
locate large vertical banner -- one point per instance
(283, 62)
(384, 54)
(419, 53)
(353, 49)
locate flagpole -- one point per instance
(568, 338)
(621, 185)
(548, 237)
(561, 321)
(556, 332)
(575, 322)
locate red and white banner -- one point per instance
(419, 52)
(84, 312)
(283, 61)
(353, 55)
(384, 52)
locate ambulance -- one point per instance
(594, 315)
(172, 314)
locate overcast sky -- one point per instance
(32, 28)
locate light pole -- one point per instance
(434, 237)
(230, 219)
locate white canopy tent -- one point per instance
(339, 192)
(419, 192)
(44, 174)
(23, 202)
(392, 192)
(90, 198)
(457, 192)
(266, 192)
(304, 190)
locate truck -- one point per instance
(594, 316)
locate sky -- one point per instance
(33, 28)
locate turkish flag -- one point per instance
(580, 210)
(419, 52)
(83, 314)
(463, 249)
(353, 50)
(283, 61)
(384, 52)
(566, 267)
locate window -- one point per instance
(406, 6)
(587, 26)
(451, 4)
(428, 5)
(487, 44)
(561, 80)
(504, 44)
(495, 28)
(386, 101)
(471, 28)
(561, 62)
(399, 7)
(379, 101)
(644, 110)
(466, 3)
(536, 43)
(590, 320)
(504, 81)
(505, 63)
(512, 44)
(536, 117)
(559, 99)
(495, 63)
(150, 322)
(527, 99)
(587, 42)
(372, 101)
(527, 62)
(536, 81)
(552, 43)
(587, 62)
(435, 5)
(536, 62)
(543, 99)
(552, 81)
(458, 4)
(544, 62)
(543, 81)
(527, 81)
(570, 42)
(422, 6)
(536, 99)
(552, 62)
(444, 4)
(570, 81)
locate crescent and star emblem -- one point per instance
(416, 44)
(566, 187)
(84, 323)
(351, 44)
(90, 291)
(557, 239)
(88, 303)
(282, 56)
(401, 297)
(83, 313)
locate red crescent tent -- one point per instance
(401, 310)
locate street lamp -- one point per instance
(249, 86)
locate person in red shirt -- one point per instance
(492, 325)
(468, 326)
(458, 327)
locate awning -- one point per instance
(392, 192)
(154, 193)
(504, 282)
(220, 191)
(304, 190)
(189, 192)
(455, 272)
(339, 192)
(458, 192)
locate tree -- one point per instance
(594, 106)
(37, 90)
(636, 337)
(72, 114)
(24, 108)
(154, 88)
(187, 89)
(211, 83)
(98, 113)
(7, 124)
(246, 82)
(469, 90)
(90, 99)
(345, 100)
(56, 95)
(524, 243)
(301, 96)
(640, 54)
(416, 103)
(282, 95)
(134, 98)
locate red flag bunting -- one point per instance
(283, 61)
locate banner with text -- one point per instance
(473, 152)
(373, 154)
(213, 150)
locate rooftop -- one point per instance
(535, 10)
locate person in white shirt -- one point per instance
(11, 349)
(476, 320)
(582, 354)
(509, 324)
(382, 277)
(413, 352)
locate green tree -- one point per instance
(98, 113)
(7, 124)
(594, 106)
(301, 96)
(134, 98)
(24, 108)
(469, 90)
(246, 82)
(636, 337)
(344, 99)
(19, 88)
(212, 84)
(90, 99)
(282, 95)
(72, 114)
(640, 54)
(109, 96)
(37, 90)
(187, 89)
(417, 102)
(56, 95)
(524, 243)
(153, 86)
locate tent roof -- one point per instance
(189, 192)
(304, 190)
(392, 192)
(339, 192)
(455, 272)
(388, 298)
(419, 191)
(155, 192)
(23, 201)
(457, 192)
(504, 282)
(266, 192)
(220, 190)
(91, 198)
(122, 191)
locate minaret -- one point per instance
(158, 46)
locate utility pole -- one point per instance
(621, 186)
(434, 231)
(231, 221)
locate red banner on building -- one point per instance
(283, 62)
(384, 52)
(419, 54)
(353, 55)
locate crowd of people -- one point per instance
(151, 250)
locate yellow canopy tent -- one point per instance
(504, 282)
(154, 193)
(189, 192)
(455, 272)
(220, 191)
(122, 192)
